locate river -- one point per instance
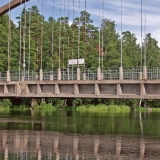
(70, 135)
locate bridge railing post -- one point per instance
(144, 72)
(8, 76)
(78, 73)
(120, 73)
(41, 75)
(98, 73)
(59, 74)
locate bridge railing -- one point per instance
(3, 76)
(50, 75)
(110, 73)
(28, 76)
(85, 74)
(132, 72)
(69, 74)
(153, 73)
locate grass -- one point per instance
(103, 108)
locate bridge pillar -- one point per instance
(41, 75)
(144, 72)
(59, 74)
(98, 73)
(120, 73)
(8, 76)
(78, 73)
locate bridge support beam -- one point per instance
(144, 72)
(8, 76)
(120, 73)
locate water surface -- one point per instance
(29, 135)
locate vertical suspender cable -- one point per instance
(9, 36)
(99, 48)
(29, 44)
(52, 35)
(20, 44)
(85, 35)
(78, 36)
(121, 34)
(64, 34)
(102, 33)
(141, 34)
(73, 39)
(68, 31)
(60, 38)
(145, 36)
(24, 41)
(42, 34)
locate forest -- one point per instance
(49, 44)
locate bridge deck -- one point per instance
(126, 89)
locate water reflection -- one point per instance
(53, 145)
(77, 137)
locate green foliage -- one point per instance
(5, 104)
(103, 108)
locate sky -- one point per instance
(110, 9)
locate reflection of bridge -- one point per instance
(137, 83)
(48, 145)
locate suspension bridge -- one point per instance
(120, 82)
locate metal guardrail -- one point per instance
(153, 73)
(85, 74)
(132, 73)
